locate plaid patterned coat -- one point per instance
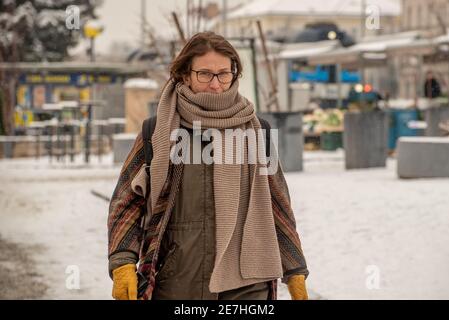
(133, 239)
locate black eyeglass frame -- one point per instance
(214, 75)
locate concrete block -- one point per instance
(423, 157)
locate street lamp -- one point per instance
(92, 29)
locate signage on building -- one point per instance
(73, 79)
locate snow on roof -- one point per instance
(304, 50)
(141, 83)
(369, 45)
(124, 136)
(50, 18)
(315, 7)
(117, 120)
(381, 43)
(51, 106)
(444, 38)
(444, 140)
(69, 104)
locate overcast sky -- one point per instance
(121, 19)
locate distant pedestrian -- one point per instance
(431, 86)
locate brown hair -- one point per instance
(198, 45)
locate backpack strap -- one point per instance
(148, 127)
(266, 125)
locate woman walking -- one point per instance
(201, 230)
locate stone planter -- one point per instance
(290, 138)
(365, 139)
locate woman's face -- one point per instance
(211, 62)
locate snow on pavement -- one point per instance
(53, 206)
(365, 233)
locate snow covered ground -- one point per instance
(365, 233)
(52, 205)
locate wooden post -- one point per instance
(88, 133)
(200, 15)
(178, 27)
(273, 94)
(72, 142)
(253, 61)
(38, 142)
(339, 98)
(58, 142)
(224, 13)
(64, 143)
(50, 142)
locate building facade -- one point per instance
(431, 19)
(291, 16)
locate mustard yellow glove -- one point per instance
(297, 287)
(125, 282)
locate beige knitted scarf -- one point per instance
(247, 250)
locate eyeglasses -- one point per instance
(206, 76)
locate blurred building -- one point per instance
(139, 94)
(47, 83)
(290, 16)
(430, 15)
(430, 19)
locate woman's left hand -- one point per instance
(297, 287)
